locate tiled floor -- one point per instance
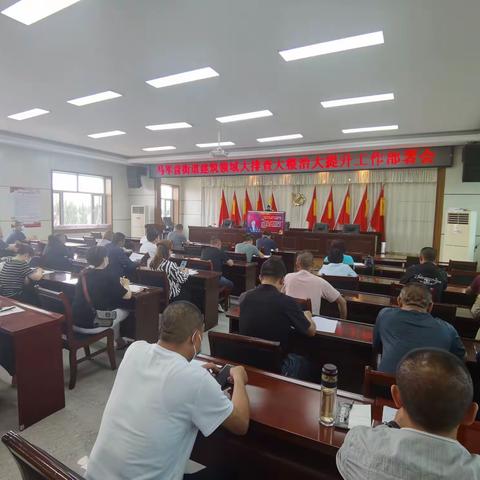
(70, 433)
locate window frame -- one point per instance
(174, 202)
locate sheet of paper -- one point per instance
(358, 264)
(388, 413)
(360, 415)
(136, 288)
(136, 257)
(191, 271)
(325, 324)
(48, 272)
(12, 310)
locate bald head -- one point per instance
(436, 389)
(180, 320)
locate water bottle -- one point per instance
(328, 395)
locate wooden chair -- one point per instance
(344, 283)
(395, 289)
(305, 304)
(155, 278)
(192, 250)
(252, 351)
(465, 266)
(74, 341)
(445, 311)
(241, 257)
(462, 277)
(198, 264)
(377, 384)
(34, 463)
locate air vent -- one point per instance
(138, 210)
(458, 218)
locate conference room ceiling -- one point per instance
(430, 61)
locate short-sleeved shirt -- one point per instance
(475, 286)
(16, 236)
(428, 274)
(399, 331)
(267, 244)
(269, 314)
(150, 435)
(105, 291)
(176, 277)
(303, 284)
(248, 249)
(12, 276)
(150, 248)
(384, 453)
(178, 239)
(337, 270)
(217, 256)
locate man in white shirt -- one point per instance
(150, 245)
(304, 284)
(336, 267)
(434, 393)
(159, 402)
(106, 239)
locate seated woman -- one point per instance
(176, 276)
(105, 292)
(336, 267)
(16, 275)
(347, 259)
(56, 255)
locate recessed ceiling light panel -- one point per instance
(168, 126)
(370, 129)
(215, 144)
(157, 149)
(34, 112)
(31, 11)
(111, 133)
(357, 100)
(292, 136)
(185, 77)
(96, 97)
(245, 116)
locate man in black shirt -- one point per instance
(427, 273)
(218, 257)
(267, 313)
(266, 244)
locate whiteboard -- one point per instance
(26, 205)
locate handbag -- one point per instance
(103, 318)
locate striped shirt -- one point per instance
(176, 277)
(12, 276)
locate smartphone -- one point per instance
(183, 264)
(223, 375)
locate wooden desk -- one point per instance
(36, 338)
(145, 306)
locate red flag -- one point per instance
(247, 205)
(272, 203)
(344, 215)
(259, 203)
(312, 211)
(361, 218)
(377, 222)
(223, 210)
(328, 215)
(235, 215)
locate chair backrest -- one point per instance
(351, 228)
(57, 302)
(305, 303)
(462, 277)
(227, 223)
(411, 260)
(34, 463)
(155, 278)
(445, 311)
(395, 289)
(198, 264)
(253, 351)
(466, 266)
(345, 283)
(194, 250)
(89, 241)
(97, 235)
(242, 257)
(320, 227)
(377, 384)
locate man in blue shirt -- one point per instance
(399, 330)
(118, 262)
(17, 235)
(266, 244)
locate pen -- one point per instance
(6, 309)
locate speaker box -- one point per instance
(471, 162)
(134, 176)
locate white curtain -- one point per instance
(409, 199)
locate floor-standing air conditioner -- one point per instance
(139, 217)
(460, 235)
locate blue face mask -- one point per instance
(195, 353)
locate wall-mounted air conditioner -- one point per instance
(461, 227)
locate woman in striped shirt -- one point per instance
(176, 276)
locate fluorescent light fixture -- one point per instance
(34, 112)
(96, 97)
(245, 116)
(370, 129)
(215, 144)
(293, 136)
(112, 133)
(357, 100)
(340, 45)
(157, 149)
(169, 126)
(185, 77)
(31, 11)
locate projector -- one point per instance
(219, 152)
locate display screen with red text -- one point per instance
(261, 221)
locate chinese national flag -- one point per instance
(328, 215)
(223, 210)
(344, 215)
(377, 222)
(272, 203)
(259, 203)
(312, 211)
(247, 205)
(235, 215)
(361, 218)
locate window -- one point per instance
(167, 201)
(80, 199)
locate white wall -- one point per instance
(145, 195)
(460, 195)
(191, 201)
(25, 167)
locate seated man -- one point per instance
(17, 234)
(399, 330)
(106, 239)
(218, 257)
(118, 262)
(434, 393)
(267, 313)
(336, 267)
(266, 244)
(248, 248)
(303, 284)
(177, 237)
(151, 434)
(427, 273)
